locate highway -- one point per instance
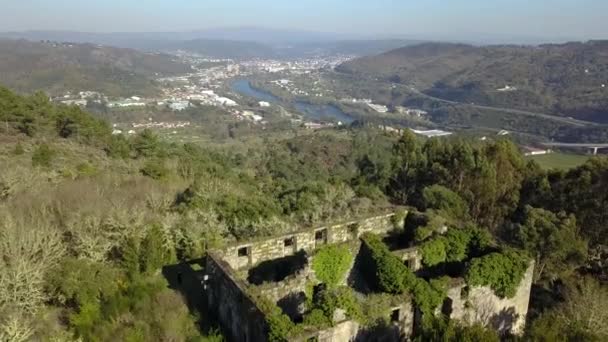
(560, 119)
(582, 145)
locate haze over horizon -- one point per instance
(469, 20)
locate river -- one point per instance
(311, 111)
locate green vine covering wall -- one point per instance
(503, 272)
(331, 264)
(392, 276)
(454, 246)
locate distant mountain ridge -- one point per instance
(565, 79)
(59, 67)
(227, 43)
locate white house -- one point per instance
(179, 105)
(378, 108)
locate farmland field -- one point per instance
(559, 160)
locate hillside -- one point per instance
(102, 235)
(59, 67)
(223, 48)
(561, 79)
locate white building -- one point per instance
(226, 101)
(79, 102)
(179, 105)
(378, 108)
(126, 103)
(507, 88)
(411, 111)
(264, 104)
(432, 133)
(532, 151)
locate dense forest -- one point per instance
(61, 67)
(89, 219)
(562, 79)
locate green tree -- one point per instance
(147, 144)
(444, 329)
(153, 251)
(555, 241)
(448, 203)
(582, 317)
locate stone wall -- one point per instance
(481, 305)
(411, 257)
(292, 285)
(342, 332)
(247, 255)
(242, 320)
(228, 301)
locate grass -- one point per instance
(559, 160)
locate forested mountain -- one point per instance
(567, 79)
(90, 220)
(58, 67)
(223, 48)
(238, 43)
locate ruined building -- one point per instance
(278, 270)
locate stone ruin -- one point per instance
(278, 268)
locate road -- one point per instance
(559, 119)
(582, 145)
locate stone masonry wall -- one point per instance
(239, 317)
(296, 284)
(503, 314)
(247, 255)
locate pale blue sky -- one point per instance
(547, 18)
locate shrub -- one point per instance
(340, 298)
(501, 271)
(434, 225)
(396, 278)
(18, 150)
(155, 169)
(86, 169)
(331, 264)
(43, 156)
(457, 244)
(434, 251)
(317, 318)
(118, 147)
(390, 270)
(280, 326)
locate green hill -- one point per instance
(561, 79)
(59, 67)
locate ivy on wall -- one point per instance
(503, 272)
(331, 264)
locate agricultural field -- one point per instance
(560, 160)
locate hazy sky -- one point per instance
(459, 18)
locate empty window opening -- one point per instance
(321, 236)
(243, 251)
(289, 242)
(395, 315)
